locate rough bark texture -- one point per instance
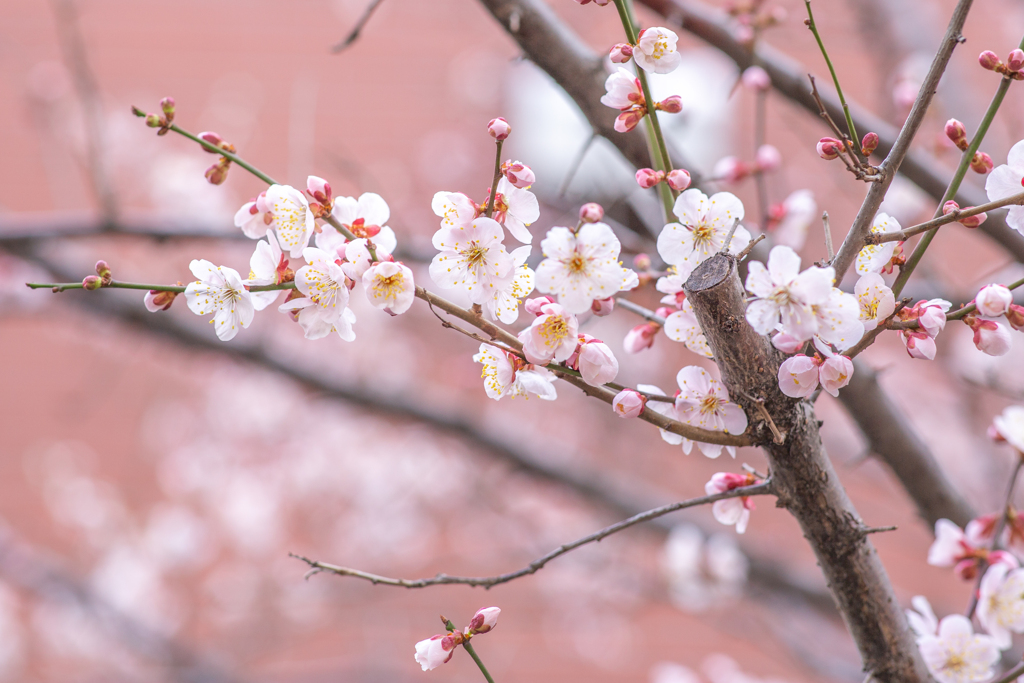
(805, 482)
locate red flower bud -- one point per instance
(869, 144)
(981, 163)
(956, 132)
(829, 148)
(648, 177)
(989, 60)
(678, 179)
(1016, 60)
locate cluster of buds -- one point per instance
(642, 336)
(990, 336)
(217, 173)
(102, 278)
(678, 179)
(732, 170)
(518, 173)
(967, 221)
(437, 650)
(1011, 68)
(752, 17)
(499, 128)
(931, 319)
(800, 375)
(163, 120)
(319, 191)
(830, 148)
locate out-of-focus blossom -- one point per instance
(656, 52)
(641, 337)
(1006, 181)
(785, 297)
(219, 290)
(703, 225)
(670, 105)
(989, 60)
(704, 402)
(603, 307)
(756, 78)
(702, 573)
(787, 343)
(582, 267)
(874, 257)
(730, 170)
(791, 219)
(1001, 603)
(954, 548)
(591, 212)
(648, 177)
(951, 650)
(1009, 425)
(768, 158)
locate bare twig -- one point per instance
(777, 436)
(828, 236)
(951, 217)
(645, 313)
(488, 581)
(358, 28)
(749, 248)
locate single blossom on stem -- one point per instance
(325, 308)
(955, 548)
(835, 373)
(290, 215)
(703, 402)
(656, 52)
(472, 259)
(839, 320)
(515, 209)
(798, 376)
(704, 223)
(641, 337)
(252, 220)
(365, 217)
(552, 337)
(455, 209)
(583, 266)
(519, 174)
(594, 360)
(483, 621)
(919, 344)
(876, 300)
(994, 300)
(437, 650)
(219, 290)
(156, 300)
(731, 510)
(990, 336)
(389, 285)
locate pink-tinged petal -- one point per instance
(798, 377)
(728, 511)
(1015, 157)
(763, 316)
(1015, 218)
(784, 265)
(1003, 181)
(690, 207)
(759, 280)
(734, 418)
(814, 285)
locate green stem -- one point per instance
(230, 155)
(835, 79)
(954, 185)
(494, 181)
(114, 284)
(476, 658)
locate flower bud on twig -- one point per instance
(957, 134)
(92, 282)
(499, 128)
(670, 105)
(869, 144)
(621, 53)
(829, 148)
(678, 179)
(1015, 61)
(981, 163)
(591, 212)
(989, 60)
(648, 177)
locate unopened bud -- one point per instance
(621, 53)
(756, 78)
(159, 301)
(949, 207)
(591, 212)
(994, 300)
(92, 282)
(103, 270)
(869, 144)
(768, 158)
(212, 138)
(981, 163)
(153, 121)
(642, 262)
(519, 174)
(535, 304)
(1016, 60)
(499, 128)
(319, 189)
(218, 173)
(678, 179)
(167, 107)
(829, 148)
(628, 403)
(1015, 316)
(975, 220)
(730, 169)
(957, 134)
(989, 60)
(648, 177)
(671, 105)
(628, 120)
(602, 307)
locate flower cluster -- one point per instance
(800, 375)
(701, 401)
(437, 650)
(931, 319)
(951, 649)
(991, 334)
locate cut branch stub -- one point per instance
(803, 476)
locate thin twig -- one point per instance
(951, 217)
(728, 237)
(869, 337)
(1012, 675)
(749, 248)
(357, 29)
(316, 567)
(867, 530)
(835, 78)
(575, 165)
(777, 436)
(828, 236)
(494, 181)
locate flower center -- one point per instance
(475, 255)
(709, 404)
(389, 286)
(553, 330)
(577, 264)
(703, 233)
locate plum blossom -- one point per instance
(317, 322)
(919, 344)
(787, 295)
(325, 308)
(642, 336)
(656, 52)
(839, 319)
(1006, 181)
(791, 219)
(219, 290)
(484, 620)
(798, 376)
(267, 266)
(990, 336)
(594, 360)
(623, 92)
(507, 375)
(1001, 603)
(455, 209)
(365, 217)
(702, 228)
(515, 209)
(701, 572)
(951, 650)
(582, 267)
(876, 300)
(786, 343)
(874, 257)
(955, 548)
(682, 326)
(503, 304)
(731, 510)
(1010, 426)
(437, 650)
(704, 402)
(835, 373)
(994, 300)
(472, 258)
(389, 285)
(519, 174)
(291, 217)
(158, 300)
(252, 220)
(628, 403)
(553, 335)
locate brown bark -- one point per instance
(804, 479)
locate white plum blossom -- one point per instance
(994, 300)
(704, 402)
(317, 322)
(703, 225)
(553, 336)
(365, 217)
(267, 266)
(252, 220)
(876, 300)
(595, 361)
(455, 209)
(671, 285)
(507, 375)
(389, 285)
(656, 52)
(433, 652)
(682, 326)
(731, 510)
(874, 257)
(484, 620)
(668, 409)
(951, 650)
(292, 218)
(1010, 426)
(1001, 603)
(786, 295)
(219, 290)
(835, 373)
(794, 216)
(516, 209)
(839, 319)
(951, 545)
(507, 292)
(798, 376)
(1008, 180)
(472, 258)
(582, 267)
(322, 280)
(622, 90)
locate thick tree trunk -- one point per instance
(803, 476)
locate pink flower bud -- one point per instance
(159, 301)
(597, 363)
(768, 158)
(628, 403)
(973, 221)
(730, 170)
(981, 163)
(919, 344)
(869, 143)
(989, 336)
(628, 120)
(602, 307)
(989, 60)
(744, 34)
(642, 262)
(103, 270)
(829, 148)
(678, 179)
(433, 652)
(835, 373)
(727, 481)
(319, 189)
(798, 376)
(994, 300)
(756, 78)
(931, 317)
(519, 174)
(787, 343)
(591, 212)
(1016, 60)
(621, 53)
(218, 173)
(641, 337)
(1015, 316)
(534, 305)
(671, 105)
(92, 282)
(484, 620)
(499, 128)
(956, 133)
(648, 177)
(212, 138)
(949, 207)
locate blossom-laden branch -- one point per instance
(1004, 515)
(958, 314)
(762, 488)
(953, 216)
